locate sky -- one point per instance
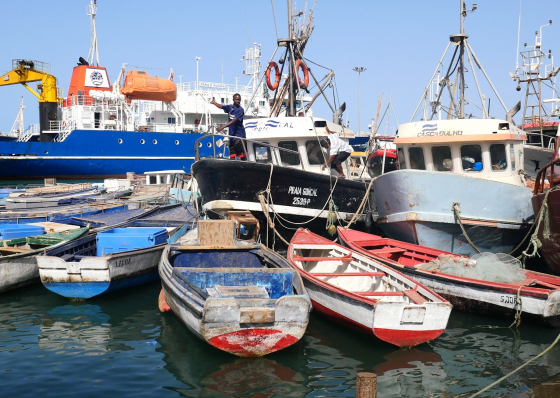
(399, 42)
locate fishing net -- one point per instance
(490, 267)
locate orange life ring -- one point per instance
(301, 65)
(112, 117)
(276, 79)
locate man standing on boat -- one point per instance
(235, 124)
(339, 151)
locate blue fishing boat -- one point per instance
(242, 298)
(113, 259)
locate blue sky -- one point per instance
(399, 42)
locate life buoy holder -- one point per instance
(301, 65)
(277, 76)
(112, 117)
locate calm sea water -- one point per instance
(121, 345)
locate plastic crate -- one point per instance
(124, 239)
(14, 231)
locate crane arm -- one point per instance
(24, 72)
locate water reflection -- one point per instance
(206, 371)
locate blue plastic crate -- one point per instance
(123, 239)
(14, 231)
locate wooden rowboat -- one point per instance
(18, 257)
(243, 299)
(539, 293)
(362, 293)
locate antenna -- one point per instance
(91, 10)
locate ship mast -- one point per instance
(91, 10)
(456, 65)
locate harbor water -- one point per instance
(121, 345)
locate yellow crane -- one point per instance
(27, 71)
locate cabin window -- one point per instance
(153, 180)
(498, 157)
(315, 154)
(441, 156)
(261, 103)
(262, 153)
(289, 158)
(402, 162)
(170, 120)
(471, 157)
(416, 155)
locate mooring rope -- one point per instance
(457, 211)
(517, 370)
(363, 202)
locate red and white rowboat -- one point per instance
(360, 292)
(537, 297)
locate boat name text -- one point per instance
(302, 191)
(123, 262)
(509, 299)
(439, 133)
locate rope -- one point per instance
(518, 369)
(535, 243)
(456, 210)
(363, 202)
(518, 310)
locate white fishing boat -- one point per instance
(460, 185)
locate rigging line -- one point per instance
(274, 17)
(315, 63)
(518, 33)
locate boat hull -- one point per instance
(417, 207)
(550, 248)
(218, 321)
(19, 272)
(99, 275)
(99, 154)
(297, 195)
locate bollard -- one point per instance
(366, 385)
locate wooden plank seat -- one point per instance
(345, 258)
(336, 274)
(419, 256)
(388, 250)
(411, 294)
(15, 250)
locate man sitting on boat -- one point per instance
(235, 124)
(339, 151)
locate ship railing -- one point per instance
(28, 64)
(67, 128)
(78, 100)
(214, 87)
(245, 141)
(541, 177)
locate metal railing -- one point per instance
(541, 177)
(275, 159)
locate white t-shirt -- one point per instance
(338, 145)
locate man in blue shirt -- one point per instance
(235, 124)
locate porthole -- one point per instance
(209, 145)
(200, 144)
(155, 142)
(119, 141)
(46, 152)
(176, 142)
(142, 141)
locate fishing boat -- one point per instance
(18, 257)
(459, 186)
(547, 217)
(113, 259)
(240, 297)
(535, 296)
(51, 199)
(541, 115)
(355, 290)
(285, 181)
(103, 129)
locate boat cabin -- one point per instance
(294, 142)
(482, 148)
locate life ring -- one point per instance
(276, 79)
(301, 65)
(63, 123)
(112, 117)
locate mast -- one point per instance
(93, 54)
